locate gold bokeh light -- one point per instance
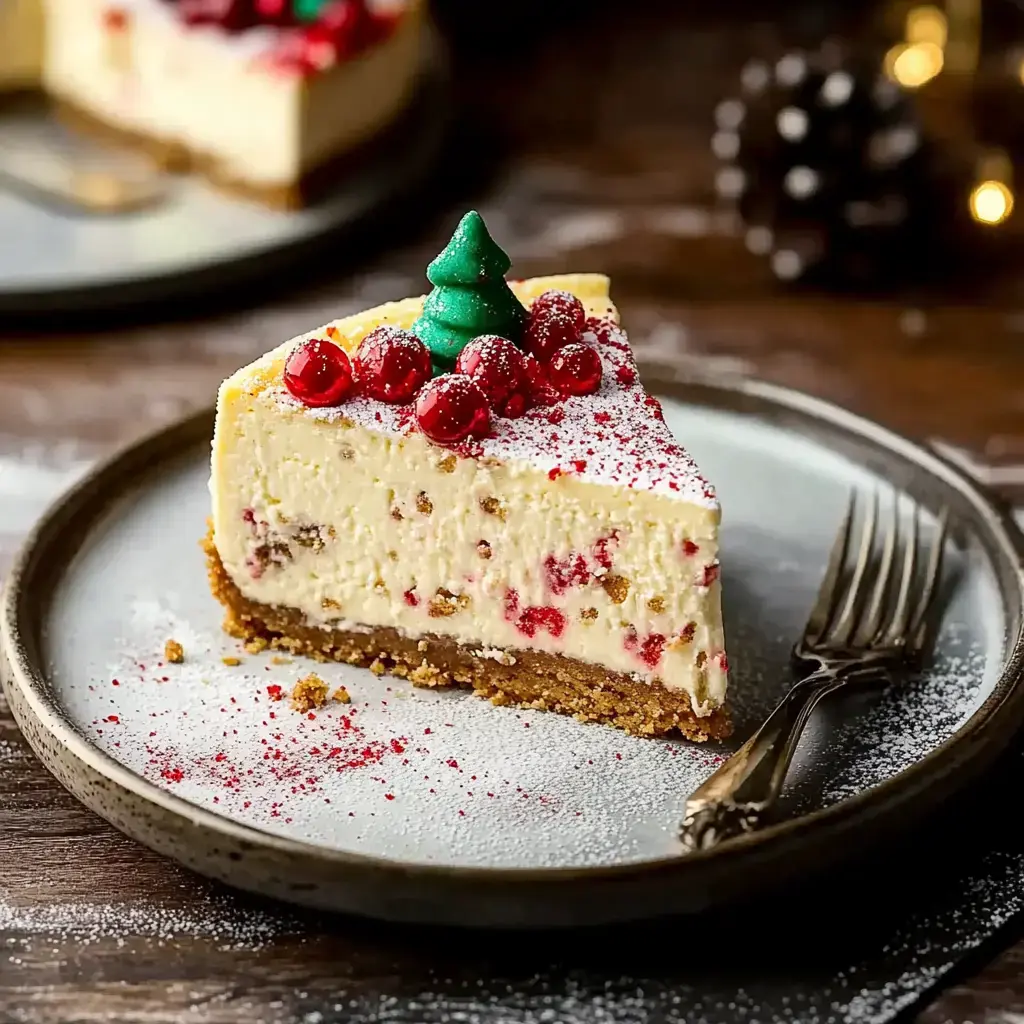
(927, 24)
(991, 202)
(914, 64)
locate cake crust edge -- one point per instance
(532, 679)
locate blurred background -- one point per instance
(820, 194)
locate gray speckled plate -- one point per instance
(71, 261)
(440, 807)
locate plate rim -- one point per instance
(959, 758)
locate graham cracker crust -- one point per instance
(175, 158)
(533, 679)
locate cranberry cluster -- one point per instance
(340, 30)
(491, 374)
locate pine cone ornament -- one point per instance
(828, 168)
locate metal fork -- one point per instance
(849, 640)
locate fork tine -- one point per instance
(869, 627)
(897, 626)
(923, 621)
(828, 592)
(843, 629)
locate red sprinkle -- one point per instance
(710, 574)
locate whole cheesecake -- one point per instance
(506, 513)
(264, 97)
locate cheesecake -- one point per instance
(507, 512)
(266, 98)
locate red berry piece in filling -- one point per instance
(496, 365)
(318, 373)
(452, 408)
(563, 302)
(575, 370)
(391, 364)
(547, 330)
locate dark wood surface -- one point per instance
(601, 136)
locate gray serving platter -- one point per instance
(199, 238)
(438, 807)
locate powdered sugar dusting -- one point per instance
(616, 436)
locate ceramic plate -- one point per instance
(439, 807)
(70, 262)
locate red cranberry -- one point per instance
(230, 15)
(563, 302)
(318, 373)
(496, 365)
(540, 389)
(274, 12)
(345, 24)
(451, 408)
(575, 370)
(547, 330)
(392, 364)
(515, 406)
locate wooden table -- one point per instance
(603, 135)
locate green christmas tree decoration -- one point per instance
(470, 296)
(308, 10)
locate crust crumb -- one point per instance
(656, 605)
(256, 645)
(588, 614)
(445, 603)
(342, 696)
(426, 675)
(423, 504)
(447, 464)
(279, 659)
(377, 667)
(309, 692)
(174, 653)
(483, 549)
(231, 661)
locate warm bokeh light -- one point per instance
(926, 24)
(991, 202)
(913, 65)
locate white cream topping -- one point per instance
(216, 94)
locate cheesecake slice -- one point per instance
(565, 557)
(266, 99)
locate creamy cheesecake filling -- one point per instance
(355, 528)
(219, 96)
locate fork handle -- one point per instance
(741, 794)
